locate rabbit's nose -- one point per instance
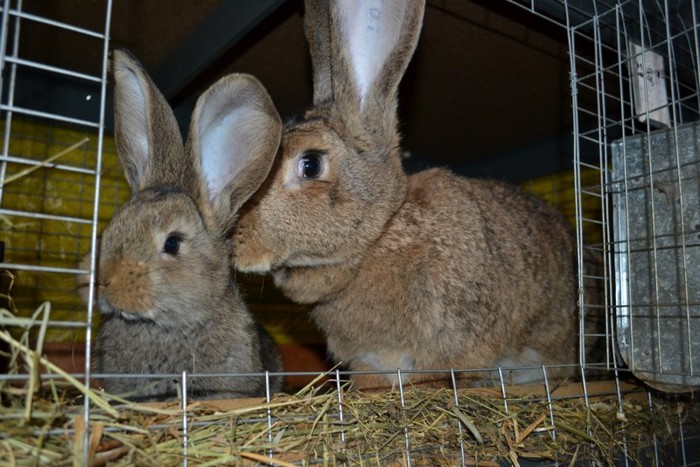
(128, 286)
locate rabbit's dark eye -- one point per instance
(310, 165)
(172, 245)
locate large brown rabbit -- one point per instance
(428, 271)
(164, 283)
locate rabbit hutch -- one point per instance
(593, 105)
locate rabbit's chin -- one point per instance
(265, 264)
(107, 309)
(311, 262)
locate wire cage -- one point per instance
(635, 184)
(635, 96)
(51, 169)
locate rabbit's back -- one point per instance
(468, 274)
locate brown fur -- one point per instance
(431, 271)
(168, 313)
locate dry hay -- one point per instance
(42, 422)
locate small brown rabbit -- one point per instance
(164, 283)
(428, 271)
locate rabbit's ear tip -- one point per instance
(119, 55)
(121, 59)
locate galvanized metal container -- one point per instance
(655, 191)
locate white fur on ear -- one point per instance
(132, 115)
(229, 128)
(371, 29)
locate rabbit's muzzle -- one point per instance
(127, 287)
(250, 254)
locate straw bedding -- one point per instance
(42, 422)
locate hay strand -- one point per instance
(32, 356)
(45, 163)
(265, 460)
(468, 424)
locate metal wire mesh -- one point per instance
(35, 222)
(635, 93)
(634, 68)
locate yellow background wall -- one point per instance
(54, 243)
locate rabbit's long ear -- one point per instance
(148, 140)
(318, 34)
(372, 42)
(234, 137)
